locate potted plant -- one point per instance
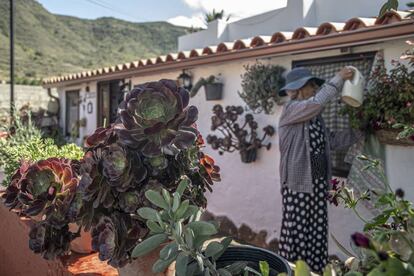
(177, 223)
(153, 144)
(260, 87)
(389, 99)
(243, 138)
(212, 87)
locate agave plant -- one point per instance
(155, 118)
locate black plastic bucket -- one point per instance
(252, 256)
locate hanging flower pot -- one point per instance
(214, 91)
(248, 156)
(212, 88)
(389, 137)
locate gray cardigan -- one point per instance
(295, 165)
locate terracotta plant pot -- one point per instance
(83, 244)
(142, 266)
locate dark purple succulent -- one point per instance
(45, 187)
(109, 168)
(121, 168)
(50, 242)
(115, 236)
(155, 118)
(11, 195)
(130, 201)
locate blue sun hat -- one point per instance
(297, 78)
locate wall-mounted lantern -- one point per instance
(185, 80)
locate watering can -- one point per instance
(353, 90)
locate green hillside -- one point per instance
(47, 44)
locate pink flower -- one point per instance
(408, 104)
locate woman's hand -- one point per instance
(346, 73)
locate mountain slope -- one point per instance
(48, 44)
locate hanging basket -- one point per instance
(214, 91)
(389, 137)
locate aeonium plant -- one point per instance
(153, 143)
(46, 191)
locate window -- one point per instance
(72, 113)
(326, 68)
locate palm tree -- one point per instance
(211, 16)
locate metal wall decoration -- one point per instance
(242, 138)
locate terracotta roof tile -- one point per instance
(260, 41)
(224, 47)
(330, 27)
(183, 54)
(391, 17)
(240, 44)
(171, 57)
(358, 22)
(280, 37)
(304, 32)
(209, 50)
(196, 53)
(160, 59)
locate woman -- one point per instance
(305, 165)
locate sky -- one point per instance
(179, 12)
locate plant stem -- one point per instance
(358, 215)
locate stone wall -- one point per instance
(36, 96)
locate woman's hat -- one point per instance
(297, 78)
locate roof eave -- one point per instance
(361, 36)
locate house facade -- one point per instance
(248, 198)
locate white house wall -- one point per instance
(249, 193)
